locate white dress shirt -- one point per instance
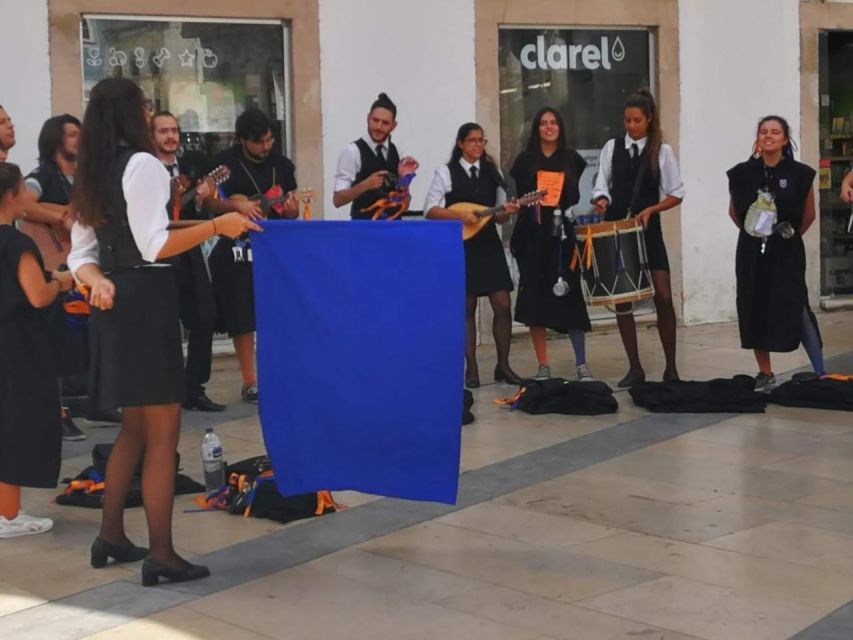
(146, 187)
(349, 162)
(670, 176)
(442, 185)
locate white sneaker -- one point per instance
(543, 373)
(584, 374)
(24, 525)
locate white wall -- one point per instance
(739, 62)
(421, 54)
(25, 74)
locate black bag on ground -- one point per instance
(467, 403)
(86, 489)
(816, 394)
(568, 397)
(721, 395)
(251, 491)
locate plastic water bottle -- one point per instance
(212, 461)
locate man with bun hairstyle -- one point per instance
(368, 168)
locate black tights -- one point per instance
(666, 325)
(149, 433)
(501, 329)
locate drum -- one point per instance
(614, 266)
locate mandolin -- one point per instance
(484, 215)
(183, 193)
(274, 198)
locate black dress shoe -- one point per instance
(472, 381)
(631, 378)
(70, 431)
(102, 551)
(203, 403)
(152, 571)
(507, 375)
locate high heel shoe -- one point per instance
(102, 551)
(152, 571)
(507, 375)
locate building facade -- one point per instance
(716, 66)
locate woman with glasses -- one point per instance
(471, 176)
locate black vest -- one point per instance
(117, 248)
(371, 163)
(624, 175)
(483, 190)
(55, 187)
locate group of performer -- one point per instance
(135, 248)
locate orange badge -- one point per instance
(552, 182)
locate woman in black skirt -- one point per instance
(538, 246)
(30, 433)
(772, 297)
(633, 173)
(471, 176)
(119, 242)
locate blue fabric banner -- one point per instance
(361, 333)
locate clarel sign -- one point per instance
(592, 56)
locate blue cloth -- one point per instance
(361, 330)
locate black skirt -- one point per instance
(655, 248)
(233, 290)
(542, 258)
(135, 355)
(486, 270)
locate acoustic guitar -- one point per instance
(484, 215)
(52, 240)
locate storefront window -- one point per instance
(585, 74)
(205, 72)
(836, 151)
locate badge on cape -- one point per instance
(783, 183)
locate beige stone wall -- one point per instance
(814, 18)
(67, 77)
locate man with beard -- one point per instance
(195, 292)
(7, 134)
(48, 221)
(366, 166)
(266, 181)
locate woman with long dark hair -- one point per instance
(543, 248)
(471, 176)
(30, 444)
(633, 173)
(772, 297)
(119, 242)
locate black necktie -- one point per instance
(172, 169)
(379, 155)
(473, 171)
(635, 151)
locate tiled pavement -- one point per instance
(630, 526)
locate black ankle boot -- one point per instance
(152, 571)
(102, 551)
